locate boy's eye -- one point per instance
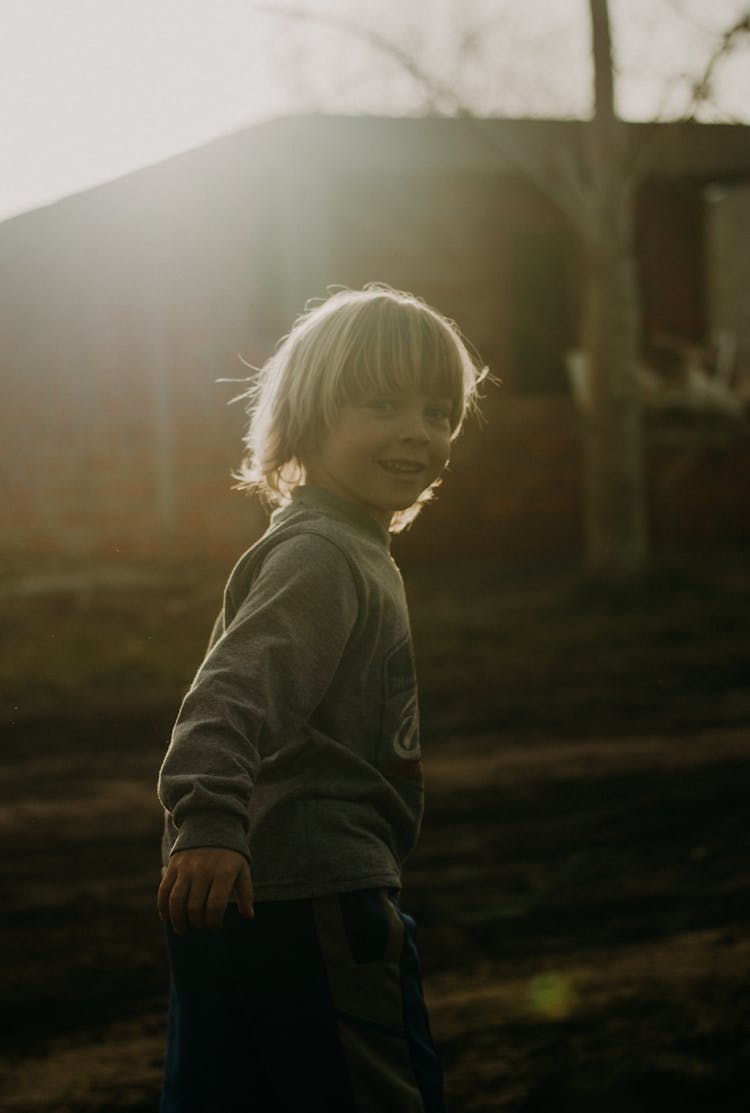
(438, 411)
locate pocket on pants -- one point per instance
(361, 937)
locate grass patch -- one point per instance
(547, 653)
(83, 648)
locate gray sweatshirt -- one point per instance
(298, 742)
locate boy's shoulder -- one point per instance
(322, 565)
(311, 543)
(321, 538)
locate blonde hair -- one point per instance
(354, 344)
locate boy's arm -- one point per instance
(263, 678)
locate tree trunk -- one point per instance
(614, 488)
(615, 511)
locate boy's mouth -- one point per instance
(402, 467)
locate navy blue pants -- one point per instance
(313, 1004)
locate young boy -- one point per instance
(292, 784)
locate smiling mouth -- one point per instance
(402, 467)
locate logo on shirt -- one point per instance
(406, 741)
(399, 670)
(401, 721)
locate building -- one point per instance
(122, 307)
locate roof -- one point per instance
(324, 144)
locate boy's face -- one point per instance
(382, 452)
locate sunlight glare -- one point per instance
(92, 89)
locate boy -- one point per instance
(292, 784)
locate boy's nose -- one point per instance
(413, 428)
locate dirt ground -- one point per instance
(582, 886)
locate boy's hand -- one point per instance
(196, 887)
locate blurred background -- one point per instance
(570, 181)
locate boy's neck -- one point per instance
(311, 493)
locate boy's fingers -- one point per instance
(162, 897)
(196, 901)
(220, 891)
(244, 890)
(162, 901)
(216, 906)
(178, 899)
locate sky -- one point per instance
(92, 89)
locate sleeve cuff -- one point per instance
(212, 829)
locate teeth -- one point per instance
(402, 466)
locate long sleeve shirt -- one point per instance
(298, 741)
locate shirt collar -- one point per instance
(315, 498)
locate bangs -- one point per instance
(393, 348)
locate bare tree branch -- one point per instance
(437, 91)
(475, 37)
(702, 92)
